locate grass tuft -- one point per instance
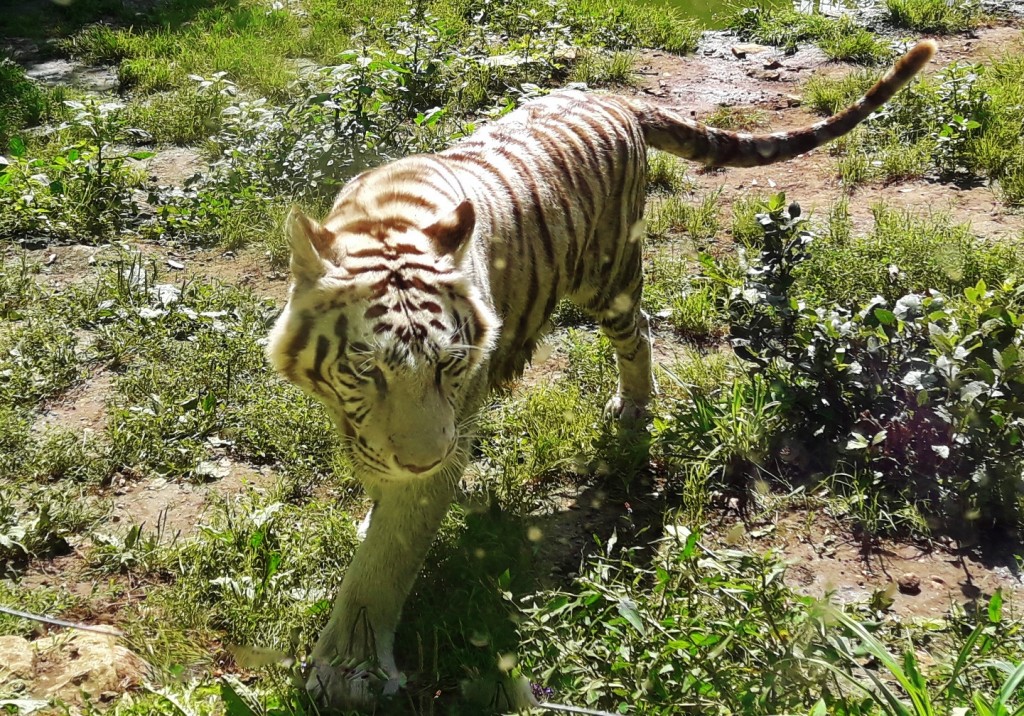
(937, 16)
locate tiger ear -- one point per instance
(308, 241)
(450, 234)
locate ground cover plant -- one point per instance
(863, 373)
(840, 39)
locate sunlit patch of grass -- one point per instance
(673, 214)
(739, 119)
(905, 253)
(596, 67)
(840, 38)
(935, 15)
(666, 173)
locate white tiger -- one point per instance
(428, 283)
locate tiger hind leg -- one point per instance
(630, 336)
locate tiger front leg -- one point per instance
(353, 662)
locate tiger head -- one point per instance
(384, 327)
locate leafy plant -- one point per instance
(926, 392)
(83, 190)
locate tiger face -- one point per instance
(383, 328)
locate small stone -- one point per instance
(34, 243)
(909, 583)
(772, 65)
(743, 49)
(17, 659)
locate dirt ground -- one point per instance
(716, 77)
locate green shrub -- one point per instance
(21, 101)
(934, 15)
(925, 392)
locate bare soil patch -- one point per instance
(826, 557)
(716, 77)
(82, 408)
(179, 508)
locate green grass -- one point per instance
(666, 173)
(738, 119)
(934, 15)
(593, 67)
(839, 38)
(903, 253)
(959, 123)
(22, 102)
(672, 214)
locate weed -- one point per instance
(40, 529)
(699, 221)
(593, 645)
(82, 191)
(840, 38)
(594, 67)
(100, 44)
(745, 227)
(542, 435)
(135, 550)
(934, 15)
(828, 95)
(21, 101)
(904, 254)
(666, 173)
(258, 558)
(739, 119)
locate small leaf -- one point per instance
(627, 609)
(995, 607)
(885, 316)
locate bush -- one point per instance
(925, 392)
(21, 101)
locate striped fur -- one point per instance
(432, 277)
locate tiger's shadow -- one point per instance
(461, 623)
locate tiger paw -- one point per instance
(628, 413)
(350, 685)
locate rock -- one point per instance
(909, 583)
(34, 243)
(69, 664)
(747, 48)
(771, 65)
(17, 659)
